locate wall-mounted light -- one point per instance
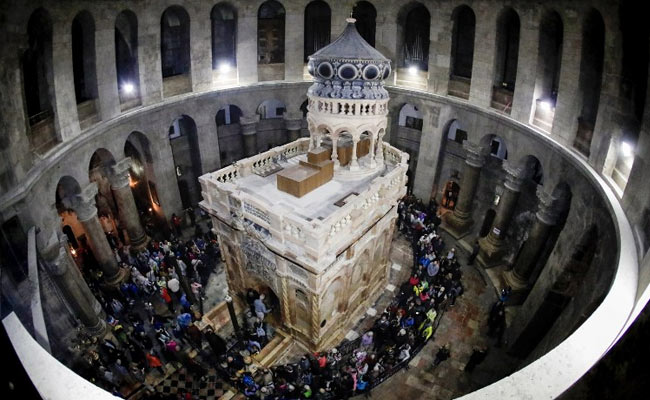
(626, 149)
(413, 70)
(128, 88)
(545, 105)
(224, 68)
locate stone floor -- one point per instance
(463, 327)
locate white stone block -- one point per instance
(396, 267)
(390, 287)
(351, 335)
(371, 312)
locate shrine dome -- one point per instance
(349, 68)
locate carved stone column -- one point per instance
(84, 206)
(129, 217)
(518, 278)
(371, 153)
(315, 319)
(354, 164)
(249, 132)
(335, 155)
(492, 246)
(74, 288)
(379, 151)
(459, 223)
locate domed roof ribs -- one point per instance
(350, 46)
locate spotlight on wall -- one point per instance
(128, 88)
(224, 68)
(413, 70)
(546, 105)
(626, 149)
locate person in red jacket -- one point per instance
(154, 362)
(168, 299)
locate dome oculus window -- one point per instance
(325, 70)
(347, 72)
(370, 72)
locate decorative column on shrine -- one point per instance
(459, 223)
(519, 277)
(492, 246)
(84, 207)
(129, 217)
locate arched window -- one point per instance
(591, 75)
(366, 16)
(224, 37)
(507, 50)
(83, 57)
(410, 117)
(270, 33)
(228, 115)
(37, 81)
(507, 57)
(549, 61)
(126, 56)
(462, 42)
(415, 49)
(318, 18)
(175, 42)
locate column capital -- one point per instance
(56, 256)
(547, 211)
(84, 202)
(475, 154)
(514, 176)
(119, 176)
(249, 124)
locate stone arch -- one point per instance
(183, 137)
(126, 56)
(270, 32)
(366, 15)
(175, 41)
(223, 19)
(231, 145)
(271, 109)
(98, 172)
(144, 187)
(318, 22)
(496, 146)
(533, 168)
(83, 60)
(455, 131)
(413, 28)
(410, 117)
(333, 301)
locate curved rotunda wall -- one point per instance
(29, 181)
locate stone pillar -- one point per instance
(201, 47)
(519, 277)
(480, 92)
(129, 216)
(247, 44)
(380, 147)
(440, 49)
(66, 120)
(431, 141)
(568, 104)
(354, 164)
(74, 288)
(108, 97)
(371, 152)
(492, 246)
(523, 98)
(294, 35)
(293, 124)
(149, 61)
(14, 143)
(335, 155)
(249, 132)
(459, 223)
(84, 206)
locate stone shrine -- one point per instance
(314, 241)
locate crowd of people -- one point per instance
(172, 273)
(150, 315)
